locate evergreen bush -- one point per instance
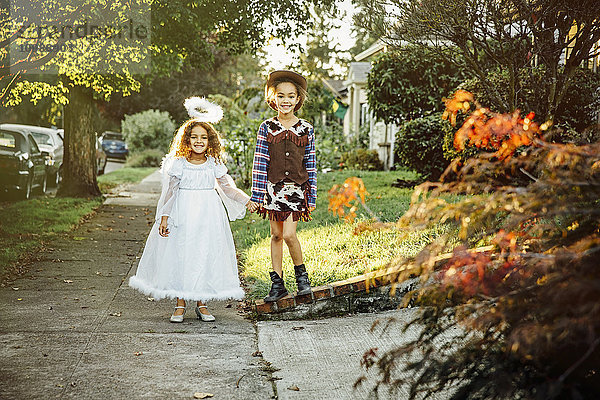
(362, 159)
(420, 145)
(150, 129)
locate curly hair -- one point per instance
(180, 146)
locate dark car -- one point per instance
(22, 164)
(114, 145)
(51, 141)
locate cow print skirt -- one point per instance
(285, 198)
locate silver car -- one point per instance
(51, 141)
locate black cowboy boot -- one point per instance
(302, 280)
(278, 289)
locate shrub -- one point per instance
(408, 83)
(150, 129)
(331, 143)
(146, 158)
(419, 145)
(362, 159)
(523, 283)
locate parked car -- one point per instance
(114, 145)
(51, 141)
(100, 154)
(101, 158)
(22, 163)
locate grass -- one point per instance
(124, 175)
(25, 226)
(331, 250)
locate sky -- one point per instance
(278, 57)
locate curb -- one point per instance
(374, 291)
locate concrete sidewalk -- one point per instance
(72, 328)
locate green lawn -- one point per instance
(331, 250)
(123, 175)
(26, 225)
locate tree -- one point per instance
(225, 76)
(512, 37)
(95, 64)
(409, 83)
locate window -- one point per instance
(364, 114)
(43, 138)
(8, 140)
(33, 146)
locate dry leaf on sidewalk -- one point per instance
(200, 395)
(294, 388)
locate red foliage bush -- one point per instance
(524, 281)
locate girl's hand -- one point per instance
(252, 206)
(162, 228)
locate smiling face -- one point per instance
(198, 139)
(286, 97)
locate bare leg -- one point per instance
(277, 246)
(291, 240)
(203, 310)
(180, 303)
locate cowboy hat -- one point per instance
(286, 76)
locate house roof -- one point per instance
(335, 86)
(375, 48)
(358, 73)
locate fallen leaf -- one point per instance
(201, 395)
(67, 281)
(294, 388)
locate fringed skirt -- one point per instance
(285, 198)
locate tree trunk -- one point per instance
(79, 163)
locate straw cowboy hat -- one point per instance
(285, 75)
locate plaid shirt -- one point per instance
(261, 166)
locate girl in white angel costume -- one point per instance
(190, 254)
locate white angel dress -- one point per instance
(197, 260)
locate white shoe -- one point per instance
(204, 317)
(177, 318)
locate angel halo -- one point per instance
(203, 110)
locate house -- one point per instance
(358, 117)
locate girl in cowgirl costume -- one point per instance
(189, 254)
(284, 175)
